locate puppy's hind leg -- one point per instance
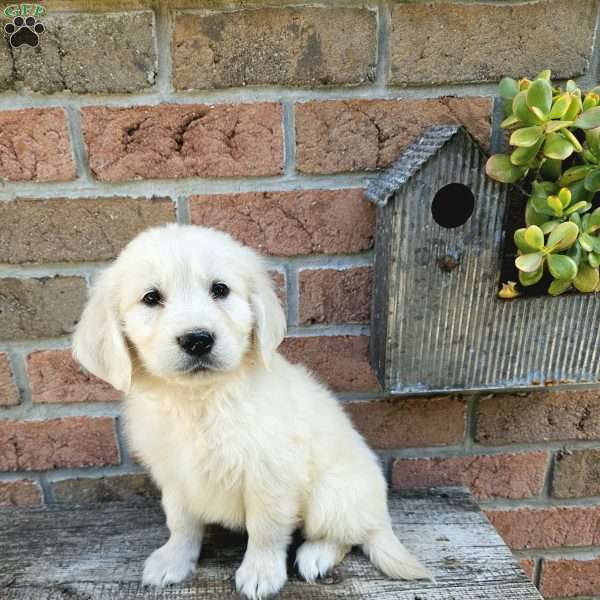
(315, 558)
(176, 560)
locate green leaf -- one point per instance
(523, 157)
(586, 241)
(509, 121)
(534, 237)
(571, 86)
(532, 217)
(560, 106)
(579, 207)
(552, 126)
(592, 137)
(564, 195)
(571, 138)
(562, 267)
(589, 119)
(587, 278)
(592, 181)
(574, 174)
(563, 237)
(579, 193)
(550, 226)
(529, 262)
(509, 88)
(522, 110)
(527, 279)
(521, 243)
(545, 74)
(593, 223)
(526, 136)
(539, 95)
(555, 204)
(574, 108)
(500, 168)
(594, 260)
(558, 287)
(556, 146)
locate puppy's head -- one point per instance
(188, 302)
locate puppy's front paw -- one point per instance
(261, 574)
(169, 564)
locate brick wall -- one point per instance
(263, 120)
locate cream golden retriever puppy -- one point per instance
(187, 324)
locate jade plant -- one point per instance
(555, 159)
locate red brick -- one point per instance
(570, 578)
(501, 475)
(9, 395)
(540, 416)
(61, 230)
(528, 567)
(35, 145)
(335, 295)
(184, 140)
(352, 135)
(550, 527)
(68, 442)
(291, 223)
(339, 361)
(55, 377)
(410, 422)
(577, 473)
(22, 492)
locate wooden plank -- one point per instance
(97, 552)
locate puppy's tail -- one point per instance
(386, 552)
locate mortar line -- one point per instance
(82, 167)
(182, 209)
(563, 552)
(47, 494)
(383, 46)
(537, 572)
(548, 477)
(293, 297)
(17, 360)
(472, 407)
(162, 16)
(289, 138)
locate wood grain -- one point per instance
(97, 552)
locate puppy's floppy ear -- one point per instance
(98, 342)
(270, 323)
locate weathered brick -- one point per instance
(501, 475)
(68, 442)
(35, 145)
(550, 527)
(456, 42)
(75, 230)
(104, 489)
(278, 46)
(339, 361)
(566, 578)
(44, 307)
(410, 422)
(528, 567)
(565, 415)
(577, 473)
(184, 140)
(351, 135)
(55, 377)
(85, 52)
(22, 492)
(9, 395)
(335, 295)
(291, 223)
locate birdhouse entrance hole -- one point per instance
(452, 205)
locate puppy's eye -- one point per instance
(152, 298)
(219, 290)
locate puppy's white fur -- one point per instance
(250, 441)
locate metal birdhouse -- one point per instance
(437, 323)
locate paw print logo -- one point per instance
(24, 31)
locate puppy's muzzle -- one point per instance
(196, 343)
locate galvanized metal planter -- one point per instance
(437, 324)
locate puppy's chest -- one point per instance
(202, 459)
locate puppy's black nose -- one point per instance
(196, 343)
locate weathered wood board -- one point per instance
(97, 552)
